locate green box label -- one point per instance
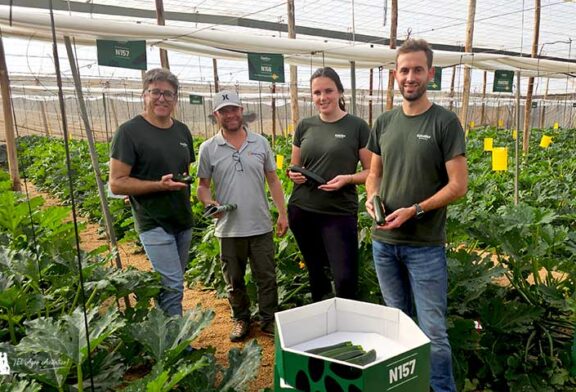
(503, 81)
(122, 54)
(266, 67)
(196, 99)
(436, 83)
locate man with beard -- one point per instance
(418, 167)
(147, 151)
(240, 162)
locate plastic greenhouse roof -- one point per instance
(499, 26)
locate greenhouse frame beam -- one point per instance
(62, 5)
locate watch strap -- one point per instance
(419, 211)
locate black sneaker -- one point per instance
(240, 330)
(268, 328)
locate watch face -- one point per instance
(419, 211)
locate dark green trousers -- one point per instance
(235, 253)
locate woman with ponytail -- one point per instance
(324, 216)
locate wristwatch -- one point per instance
(419, 211)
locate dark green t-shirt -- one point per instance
(153, 152)
(414, 152)
(329, 149)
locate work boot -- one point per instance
(268, 328)
(240, 330)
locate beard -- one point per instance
(416, 95)
(232, 125)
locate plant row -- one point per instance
(65, 325)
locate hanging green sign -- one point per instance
(196, 99)
(503, 81)
(436, 83)
(534, 105)
(266, 67)
(122, 54)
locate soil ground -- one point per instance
(216, 334)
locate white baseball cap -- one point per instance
(225, 98)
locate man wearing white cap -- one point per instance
(240, 162)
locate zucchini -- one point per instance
(364, 359)
(337, 351)
(319, 350)
(349, 355)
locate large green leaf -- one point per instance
(243, 367)
(164, 380)
(7, 385)
(166, 337)
(64, 340)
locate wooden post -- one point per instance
(543, 105)
(44, 118)
(273, 88)
(517, 142)
(106, 118)
(94, 157)
(483, 113)
(530, 89)
(205, 119)
(114, 113)
(452, 85)
(393, 34)
(161, 21)
(9, 122)
(294, 111)
(353, 85)
(216, 78)
(370, 92)
(467, 69)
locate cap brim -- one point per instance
(224, 104)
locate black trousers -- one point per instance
(327, 242)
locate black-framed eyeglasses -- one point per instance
(156, 94)
(237, 161)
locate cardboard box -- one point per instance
(403, 351)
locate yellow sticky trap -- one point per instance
(500, 123)
(556, 126)
(472, 124)
(514, 134)
(499, 158)
(488, 141)
(279, 162)
(545, 141)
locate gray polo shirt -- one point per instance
(239, 178)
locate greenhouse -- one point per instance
(292, 178)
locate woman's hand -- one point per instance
(337, 182)
(297, 178)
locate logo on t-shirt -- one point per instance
(184, 144)
(423, 137)
(339, 136)
(261, 156)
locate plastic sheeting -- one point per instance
(234, 46)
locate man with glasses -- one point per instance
(240, 162)
(146, 152)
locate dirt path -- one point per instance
(216, 334)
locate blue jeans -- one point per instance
(418, 275)
(168, 254)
